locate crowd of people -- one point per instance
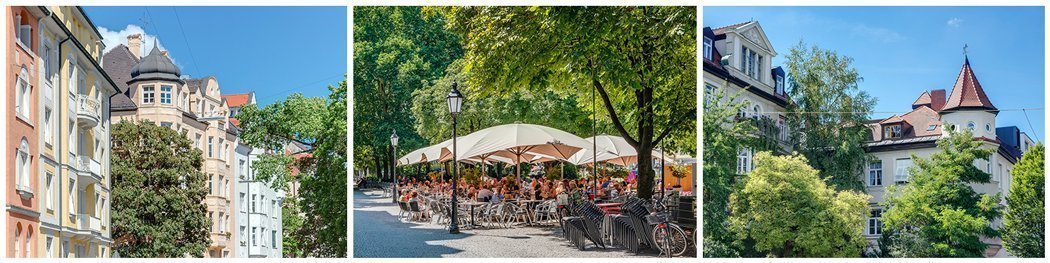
(509, 188)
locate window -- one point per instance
(891, 131)
(751, 64)
(240, 200)
(931, 127)
(240, 233)
(875, 173)
(708, 48)
(970, 126)
(49, 247)
(18, 245)
(49, 197)
(709, 93)
(197, 141)
(988, 127)
(22, 168)
(211, 184)
(210, 146)
(165, 95)
(147, 94)
(756, 111)
(780, 85)
(222, 222)
(64, 249)
(222, 153)
(253, 204)
(28, 248)
(24, 34)
(875, 222)
(222, 185)
(273, 238)
(72, 204)
(743, 161)
(165, 124)
(255, 236)
(48, 135)
(903, 172)
(49, 67)
(22, 91)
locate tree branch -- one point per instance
(670, 127)
(612, 111)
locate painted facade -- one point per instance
(67, 145)
(738, 56)
(155, 90)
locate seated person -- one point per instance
(484, 195)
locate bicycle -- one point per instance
(668, 237)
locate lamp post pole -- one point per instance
(393, 142)
(455, 100)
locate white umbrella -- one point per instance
(436, 152)
(521, 140)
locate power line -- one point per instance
(185, 40)
(1030, 126)
(302, 86)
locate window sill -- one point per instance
(24, 192)
(25, 119)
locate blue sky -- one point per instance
(902, 51)
(274, 51)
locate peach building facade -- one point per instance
(60, 135)
(152, 88)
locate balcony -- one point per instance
(88, 222)
(90, 170)
(220, 239)
(88, 111)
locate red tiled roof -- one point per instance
(923, 99)
(967, 92)
(235, 122)
(236, 100)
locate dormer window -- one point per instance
(708, 48)
(751, 63)
(931, 127)
(780, 84)
(891, 131)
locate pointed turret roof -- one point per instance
(155, 66)
(967, 92)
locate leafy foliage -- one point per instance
(396, 52)
(158, 193)
(789, 211)
(640, 60)
(939, 207)
(829, 111)
(722, 139)
(1025, 219)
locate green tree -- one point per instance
(829, 113)
(937, 205)
(641, 61)
(722, 137)
(396, 52)
(158, 193)
(789, 211)
(320, 124)
(292, 226)
(1025, 218)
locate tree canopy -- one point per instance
(722, 139)
(938, 207)
(158, 193)
(789, 211)
(641, 61)
(1025, 220)
(828, 112)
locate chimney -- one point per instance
(135, 45)
(938, 99)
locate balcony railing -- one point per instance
(89, 169)
(88, 111)
(88, 222)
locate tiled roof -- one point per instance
(923, 99)
(235, 122)
(920, 120)
(118, 63)
(236, 100)
(967, 92)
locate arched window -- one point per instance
(18, 243)
(22, 167)
(22, 91)
(756, 111)
(29, 236)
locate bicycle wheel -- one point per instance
(671, 239)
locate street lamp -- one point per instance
(393, 142)
(455, 100)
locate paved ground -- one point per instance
(379, 234)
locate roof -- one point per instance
(920, 121)
(235, 122)
(237, 100)
(722, 30)
(118, 63)
(924, 98)
(156, 66)
(967, 92)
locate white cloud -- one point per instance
(955, 22)
(113, 39)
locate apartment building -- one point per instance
(59, 203)
(259, 233)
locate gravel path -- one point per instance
(379, 234)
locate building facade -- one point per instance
(738, 61)
(895, 140)
(152, 88)
(60, 134)
(259, 232)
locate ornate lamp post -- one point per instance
(393, 142)
(455, 100)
